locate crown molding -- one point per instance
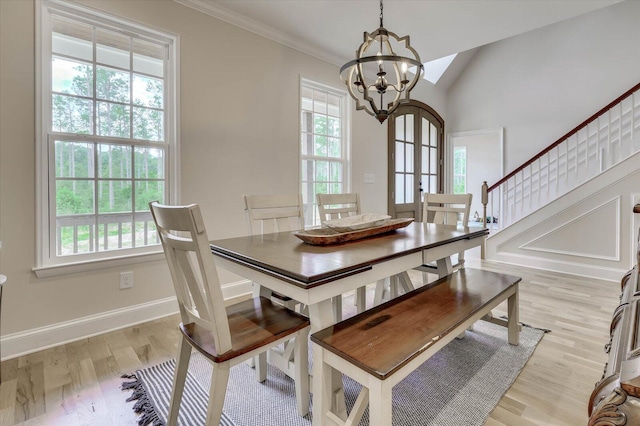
(213, 9)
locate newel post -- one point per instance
(636, 209)
(485, 201)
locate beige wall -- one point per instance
(224, 156)
(239, 134)
(538, 86)
(541, 84)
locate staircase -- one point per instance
(602, 141)
(568, 208)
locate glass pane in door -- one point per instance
(409, 189)
(400, 157)
(400, 128)
(409, 157)
(409, 130)
(399, 188)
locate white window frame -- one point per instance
(47, 262)
(459, 175)
(345, 131)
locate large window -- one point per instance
(324, 145)
(107, 140)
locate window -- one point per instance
(460, 170)
(324, 127)
(107, 143)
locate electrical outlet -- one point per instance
(126, 280)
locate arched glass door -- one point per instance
(415, 158)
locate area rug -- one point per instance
(460, 385)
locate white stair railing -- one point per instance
(599, 143)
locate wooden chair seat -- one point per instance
(253, 323)
(225, 336)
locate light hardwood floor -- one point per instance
(79, 383)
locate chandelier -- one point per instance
(389, 58)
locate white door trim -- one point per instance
(448, 153)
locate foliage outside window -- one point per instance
(460, 170)
(107, 120)
(324, 150)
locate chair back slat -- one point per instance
(196, 293)
(193, 271)
(274, 213)
(337, 206)
(446, 209)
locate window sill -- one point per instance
(92, 265)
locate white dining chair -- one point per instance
(338, 206)
(267, 214)
(279, 213)
(442, 209)
(445, 209)
(224, 336)
(275, 213)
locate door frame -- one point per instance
(450, 139)
(391, 150)
(448, 152)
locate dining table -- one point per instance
(314, 274)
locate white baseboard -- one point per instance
(236, 289)
(37, 339)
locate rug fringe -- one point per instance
(143, 406)
(544, 330)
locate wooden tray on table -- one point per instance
(325, 236)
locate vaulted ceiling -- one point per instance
(333, 29)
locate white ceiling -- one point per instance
(333, 29)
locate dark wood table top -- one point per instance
(287, 257)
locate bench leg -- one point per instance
(512, 308)
(325, 409)
(379, 403)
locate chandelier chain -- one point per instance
(381, 16)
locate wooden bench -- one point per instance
(380, 347)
